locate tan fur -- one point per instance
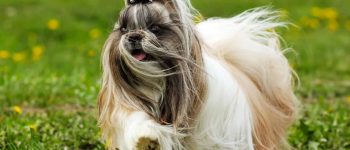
(129, 85)
(267, 81)
(265, 76)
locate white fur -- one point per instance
(225, 121)
(131, 127)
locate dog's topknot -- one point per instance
(131, 2)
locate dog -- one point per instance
(169, 83)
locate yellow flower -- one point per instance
(18, 57)
(330, 13)
(53, 24)
(37, 52)
(314, 23)
(324, 13)
(17, 109)
(4, 54)
(33, 127)
(333, 25)
(317, 12)
(92, 53)
(348, 99)
(4, 69)
(311, 22)
(347, 25)
(330, 109)
(95, 33)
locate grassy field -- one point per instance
(50, 70)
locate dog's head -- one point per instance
(152, 62)
(149, 32)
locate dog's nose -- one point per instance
(135, 38)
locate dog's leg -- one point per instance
(140, 132)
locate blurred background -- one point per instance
(50, 69)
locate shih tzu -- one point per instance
(170, 84)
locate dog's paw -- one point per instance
(141, 133)
(145, 143)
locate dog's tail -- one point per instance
(249, 46)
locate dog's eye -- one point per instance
(154, 29)
(123, 29)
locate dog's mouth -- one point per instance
(140, 55)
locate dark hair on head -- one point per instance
(139, 1)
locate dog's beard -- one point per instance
(160, 73)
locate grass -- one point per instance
(49, 76)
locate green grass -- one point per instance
(58, 93)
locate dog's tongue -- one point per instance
(139, 55)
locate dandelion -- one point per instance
(53, 24)
(333, 25)
(348, 99)
(330, 109)
(4, 54)
(4, 69)
(33, 127)
(92, 53)
(324, 13)
(330, 13)
(17, 109)
(317, 12)
(19, 57)
(37, 52)
(347, 25)
(95, 33)
(310, 22)
(313, 23)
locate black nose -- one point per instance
(135, 38)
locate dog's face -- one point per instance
(153, 58)
(149, 32)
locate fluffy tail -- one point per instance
(249, 46)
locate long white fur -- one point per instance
(139, 125)
(225, 121)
